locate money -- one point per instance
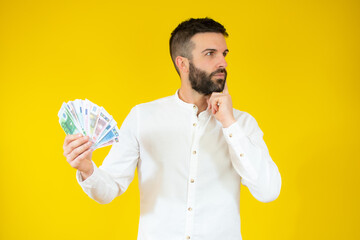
(102, 121)
(110, 138)
(66, 122)
(87, 118)
(94, 115)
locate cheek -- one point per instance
(203, 62)
(206, 67)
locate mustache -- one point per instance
(220, 70)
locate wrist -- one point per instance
(87, 173)
(227, 123)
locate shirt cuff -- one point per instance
(233, 132)
(239, 144)
(91, 180)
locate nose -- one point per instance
(222, 62)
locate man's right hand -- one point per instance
(78, 154)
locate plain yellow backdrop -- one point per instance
(293, 65)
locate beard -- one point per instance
(202, 82)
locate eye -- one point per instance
(209, 53)
(225, 53)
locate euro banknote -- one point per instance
(87, 118)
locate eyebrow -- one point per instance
(212, 49)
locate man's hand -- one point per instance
(220, 105)
(78, 153)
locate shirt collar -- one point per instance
(190, 106)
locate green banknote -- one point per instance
(66, 121)
(87, 118)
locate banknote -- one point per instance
(86, 104)
(101, 122)
(66, 121)
(110, 138)
(79, 112)
(71, 108)
(108, 128)
(89, 119)
(93, 116)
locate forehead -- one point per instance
(204, 41)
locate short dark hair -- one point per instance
(180, 44)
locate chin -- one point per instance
(221, 83)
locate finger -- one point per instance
(74, 144)
(215, 99)
(211, 99)
(214, 94)
(70, 138)
(226, 89)
(78, 151)
(216, 106)
(77, 161)
(212, 103)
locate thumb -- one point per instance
(226, 90)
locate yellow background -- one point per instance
(293, 65)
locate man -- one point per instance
(192, 150)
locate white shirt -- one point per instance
(189, 169)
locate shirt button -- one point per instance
(194, 124)
(189, 209)
(230, 135)
(241, 154)
(194, 152)
(194, 107)
(187, 237)
(192, 180)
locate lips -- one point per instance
(220, 75)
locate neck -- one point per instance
(189, 95)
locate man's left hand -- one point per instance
(220, 105)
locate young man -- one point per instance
(192, 150)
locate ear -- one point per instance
(182, 64)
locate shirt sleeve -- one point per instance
(251, 159)
(115, 174)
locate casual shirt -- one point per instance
(190, 170)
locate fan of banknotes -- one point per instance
(87, 118)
